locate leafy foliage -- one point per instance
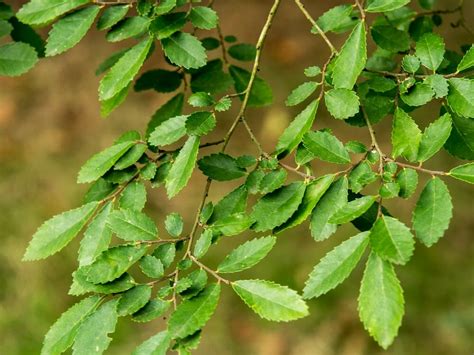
(357, 86)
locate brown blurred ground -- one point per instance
(49, 125)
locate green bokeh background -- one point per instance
(50, 124)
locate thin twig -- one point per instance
(238, 118)
(315, 25)
(419, 168)
(209, 270)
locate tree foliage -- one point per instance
(410, 67)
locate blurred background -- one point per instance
(50, 125)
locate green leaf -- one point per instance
(131, 157)
(191, 315)
(81, 286)
(128, 28)
(270, 300)
(463, 172)
(381, 303)
(133, 197)
(132, 225)
(461, 96)
(430, 50)
(101, 162)
(165, 6)
(312, 71)
(342, 103)
(200, 123)
(389, 38)
(159, 80)
(133, 299)
(352, 210)
(438, 84)
(211, 78)
(57, 232)
(92, 336)
(233, 224)
(407, 179)
(201, 99)
(151, 266)
(433, 212)
(261, 93)
(69, 30)
(361, 176)
(223, 104)
(156, 345)
(243, 51)
(356, 147)
(220, 167)
(410, 63)
(166, 253)
(96, 238)
(169, 131)
(111, 16)
(335, 197)
(62, 333)
(418, 95)
(174, 224)
(123, 72)
(406, 136)
(392, 240)
(166, 25)
(39, 12)
(294, 133)
(434, 137)
(336, 266)
(184, 50)
(338, 19)
(385, 5)
(113, 263)
(203, 243)
(247, 255)
(203, 17)
(351, 59)
(152, 310)
(278, 206)
(5, 28)
(313, 193)
(171, 108)
(6, 12)
(234, 202)
(301, 93)
(467, 61)
(327, 147)
(182, 167)
(16, 58)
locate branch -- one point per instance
(239, 116)
(315, 25)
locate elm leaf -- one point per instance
(57, 232)
(270, 300)
(433, 212)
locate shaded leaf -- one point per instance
(277, 207)
(191, 315)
